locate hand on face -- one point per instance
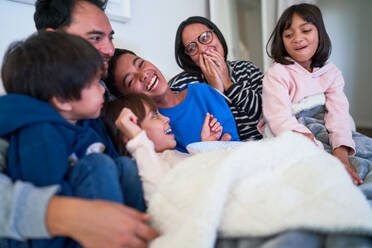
(211, 130)
(127, 124)
(209, 56)
(214, 68)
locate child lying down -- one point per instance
(260, 188)
(136, 125)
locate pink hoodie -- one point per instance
(284, 85)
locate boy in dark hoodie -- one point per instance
(54, 95)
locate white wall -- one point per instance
(348, 24)
(223, 14)
(150, 31)
(14, 26)
(250, 30)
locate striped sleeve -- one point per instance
(180, 81)
(246, 92)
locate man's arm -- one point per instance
(22, 206)
(96, 223)
(22, 209)
(28, 212)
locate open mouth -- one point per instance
(153, 83)
(106, 62)
(168, 131)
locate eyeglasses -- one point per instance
(204, 38)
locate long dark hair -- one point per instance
(310, 13)
(183, 60)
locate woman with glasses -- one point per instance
(186, 109)
(201, 51)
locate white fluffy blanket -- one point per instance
(258, 189)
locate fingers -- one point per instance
(143, 232)
(212, 121)
(125, 115)
(216, 58)
(218, 133)
(352, 172)
(214, 125)
(202, 64)
(211, 130)
(136, 242)
(146, 233)
(209, 70)
(354, 176)
(206, 121)
(135, 213)
(127, 124)
(115, 226)
(209, 64)
(219, 68)
(226, 137)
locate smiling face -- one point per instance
(191, 33)
(301, 41)
(134, 75)
(91, 23)
(158, 130)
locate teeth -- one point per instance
(153, 83)
(168, 131)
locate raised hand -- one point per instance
(127, 123)
(211, 130)
(216, 65)
(209, 69)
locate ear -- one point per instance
(50, 29)
(61, 105)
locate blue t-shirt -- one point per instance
(187, 118)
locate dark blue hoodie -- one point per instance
(41, 141)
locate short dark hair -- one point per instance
(57, 13)
(310, 13)
(135, 102)
(50, 64)
(110, 79)
(183, 60)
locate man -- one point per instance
(82, 18)
(30, 212)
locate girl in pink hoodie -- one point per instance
(301, 78)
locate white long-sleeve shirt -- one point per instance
(152, 166)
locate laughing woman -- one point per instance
(187, 109)
(201, 51)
